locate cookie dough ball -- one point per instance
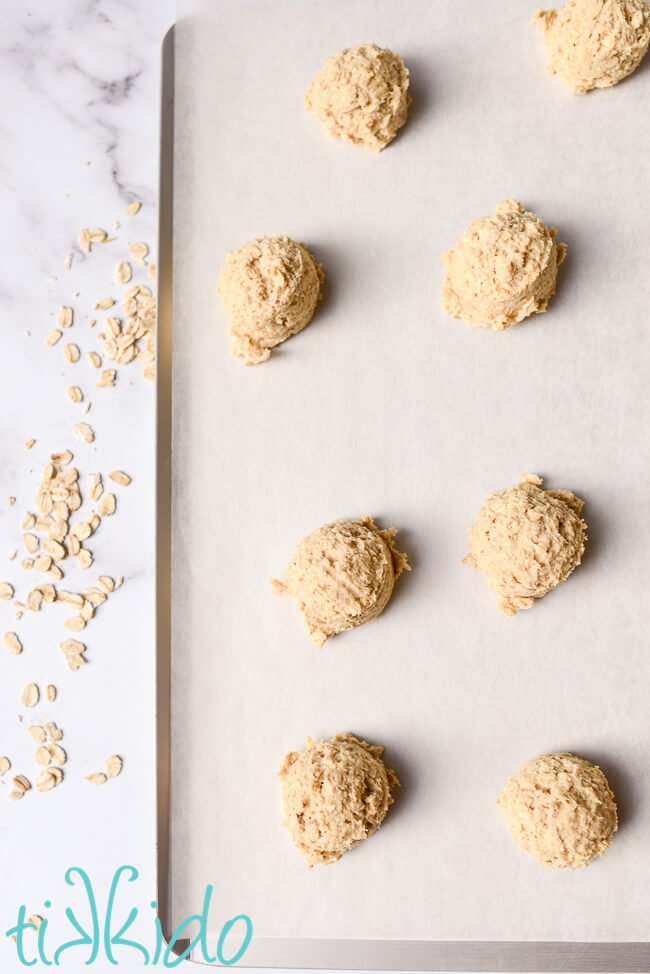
(342, 576)
(334, 795)
(361, 95)
(526, 541)
(561, 810)
(595, 43)
(503, 268)
(269, 288)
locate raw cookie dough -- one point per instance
(269, 288)
(561, 810)
(502, 269)
(526, 541)
(342, 576)
(595, 43)
(334, 795)
(361, 95)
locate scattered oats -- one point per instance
(34, 600)
(122, 272)
(43, 502)
(94, 521)
(28, 521)
(53, 732)
(112, 766)
(81, 530)
(119, 581)
(75, 394)
(29, 444)
(87, 610)
(106, 505)
(55, 574)
(53, 548)
(74, 624)
(57, 774)
(11, 500)
(30, 695)
(98, 235)
(85, 408)
(62, 459)
(110, 349)
(35, 920)
(5, 764)
(37, 734)
(59, 529)
(96, 596)
(84, 558)
(84, 432)
(59, 757)
(74, 500)
(71, 353)
(106, 584)
(70, 598)
(53, 336)
(48, 592)
(20, 781)
(112, 327)
(120, 478)
(42, 756)
(83, 239)
(64, 317)
(103, 304)
(6, 590)
(43, 563)
(73, 545)
(138, 251)
(30, 544)
(107, 379)
(12, 555)
(12, 643)
(133, 208)
(92, 322)
(72, 647)
(149, 373)
(116, 224)
(96, 779)
(45, 781)
(68, 262)
(52, 277)
(151, 271)
(95, 360)
(50, 693)
(76, 662)
(27, 563)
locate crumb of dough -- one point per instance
(595, 43)
(361, 95)
(334, 795)
(561, 810)
(502, 269)
(269, 288)
(342, 576)
(526, 540)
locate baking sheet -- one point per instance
(384, 405)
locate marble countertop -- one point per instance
(79, 133)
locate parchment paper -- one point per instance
(385, 406)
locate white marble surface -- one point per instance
(79, 132)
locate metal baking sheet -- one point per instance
(385, 406)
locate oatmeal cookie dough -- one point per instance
(561, 810)
(269, 288)
(361, 95)
(342, 576)
(502, 269)
(526, 540)
(595, 43)
(334, 795)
